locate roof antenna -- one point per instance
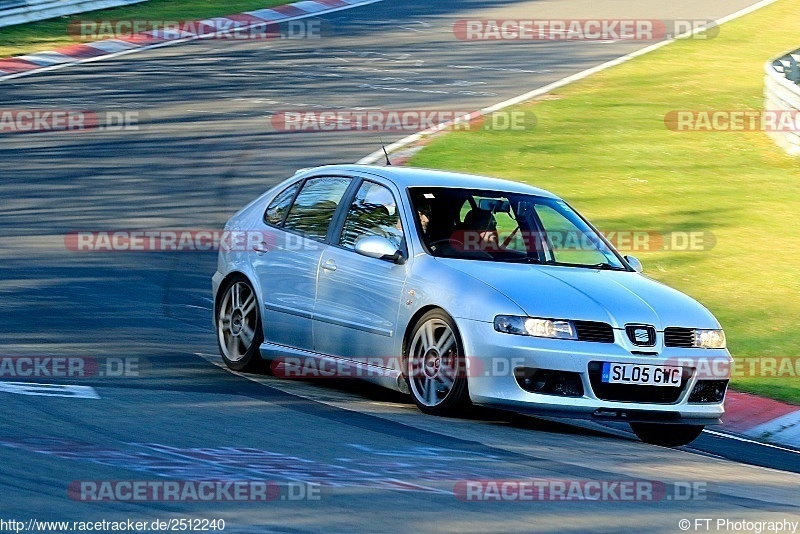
(388, 163)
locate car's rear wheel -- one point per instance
(435, 365)
(239, 333)
(666, 435)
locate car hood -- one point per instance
(614, 297)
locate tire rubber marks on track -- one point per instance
(234, 463)
(439, 454)
(414, 468)
(500, 69)
(412, 25)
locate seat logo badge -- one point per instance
(641, 335)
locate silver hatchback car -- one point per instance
(462, 290)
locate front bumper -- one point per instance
(493, 357)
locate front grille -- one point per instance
(632, 393)
(594, 331)
(679, 337)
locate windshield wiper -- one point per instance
(603, 266)
(526, 259)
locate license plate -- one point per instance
(641, 375)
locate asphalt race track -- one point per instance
(346, 456)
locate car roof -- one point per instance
(420, 177)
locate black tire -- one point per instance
(238, 324)
(436, 374)
(666, 435)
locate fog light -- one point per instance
(708, 391)
(550, 382)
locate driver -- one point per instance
(480, 231)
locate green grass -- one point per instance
(602, 144)
(49, 34)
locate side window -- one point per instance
(373, 212)
(280, 205)
(466, 207)
(313, 209)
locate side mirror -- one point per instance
(375, 246)
(635, 263)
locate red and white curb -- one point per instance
(762, 419)
(15, 67)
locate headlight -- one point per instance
(709, 339)
(532, 326)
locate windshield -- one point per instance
(509, 227)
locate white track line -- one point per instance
(378, 154)
(747, 440)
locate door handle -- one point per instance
(261, 248)
(329, 265)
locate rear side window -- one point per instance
(313, 209)
(280, 205)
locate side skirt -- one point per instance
(291, 362)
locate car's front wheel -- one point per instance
(435, 365)
(239, 333)
(666, 435)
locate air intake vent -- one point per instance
(593, 331)
(679, 337)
